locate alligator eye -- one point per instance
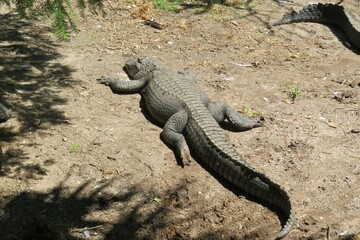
(140, 60)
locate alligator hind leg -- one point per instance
(221, 111)
(187, 75)
(120, 86)
(172, 134)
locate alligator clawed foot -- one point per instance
(251, 123)
(258, 123)
(185, 156)
(103, 80)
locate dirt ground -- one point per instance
(83, 163)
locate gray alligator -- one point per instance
(328, 14)
(5, 114)
(190, 119)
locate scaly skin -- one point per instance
(327, 14)
(191, 119)
(5, 114)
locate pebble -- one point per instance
(355, 131)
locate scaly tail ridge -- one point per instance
(328, 14)
(320, 13)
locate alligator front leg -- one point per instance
(120, 86)
(172, 134)
(221, 111)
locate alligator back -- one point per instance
(328, 14)
(168, 92)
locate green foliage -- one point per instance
(62, 20)
(74, 148)
(294, 92)
(22, 5)
(169, 5)
(60, 11)
(250, 112)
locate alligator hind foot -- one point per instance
(221, 111)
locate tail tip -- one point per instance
(287, 227)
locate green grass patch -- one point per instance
(250, 112)
(169, 5)
(74, 148)
(294, 92)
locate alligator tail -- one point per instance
(327, 14)
(320, 13)
(207, 140)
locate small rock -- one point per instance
(355, 131)
(87, 233)
(36, 122)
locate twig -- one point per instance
(112, 8)
(153, 24)
(102, 133)
(347, 182)
(86, 228)
(242, 65)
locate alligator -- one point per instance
(327, 13)
(191, 121)
(5, 114)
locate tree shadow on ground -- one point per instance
(31, 79)
(176, 216)
(57, 214)
(29, 71)
(63, 213)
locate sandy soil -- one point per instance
(84, 163)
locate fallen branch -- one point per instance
(153, 24)
(85, 228)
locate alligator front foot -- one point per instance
(121, 86)
(106, 80)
